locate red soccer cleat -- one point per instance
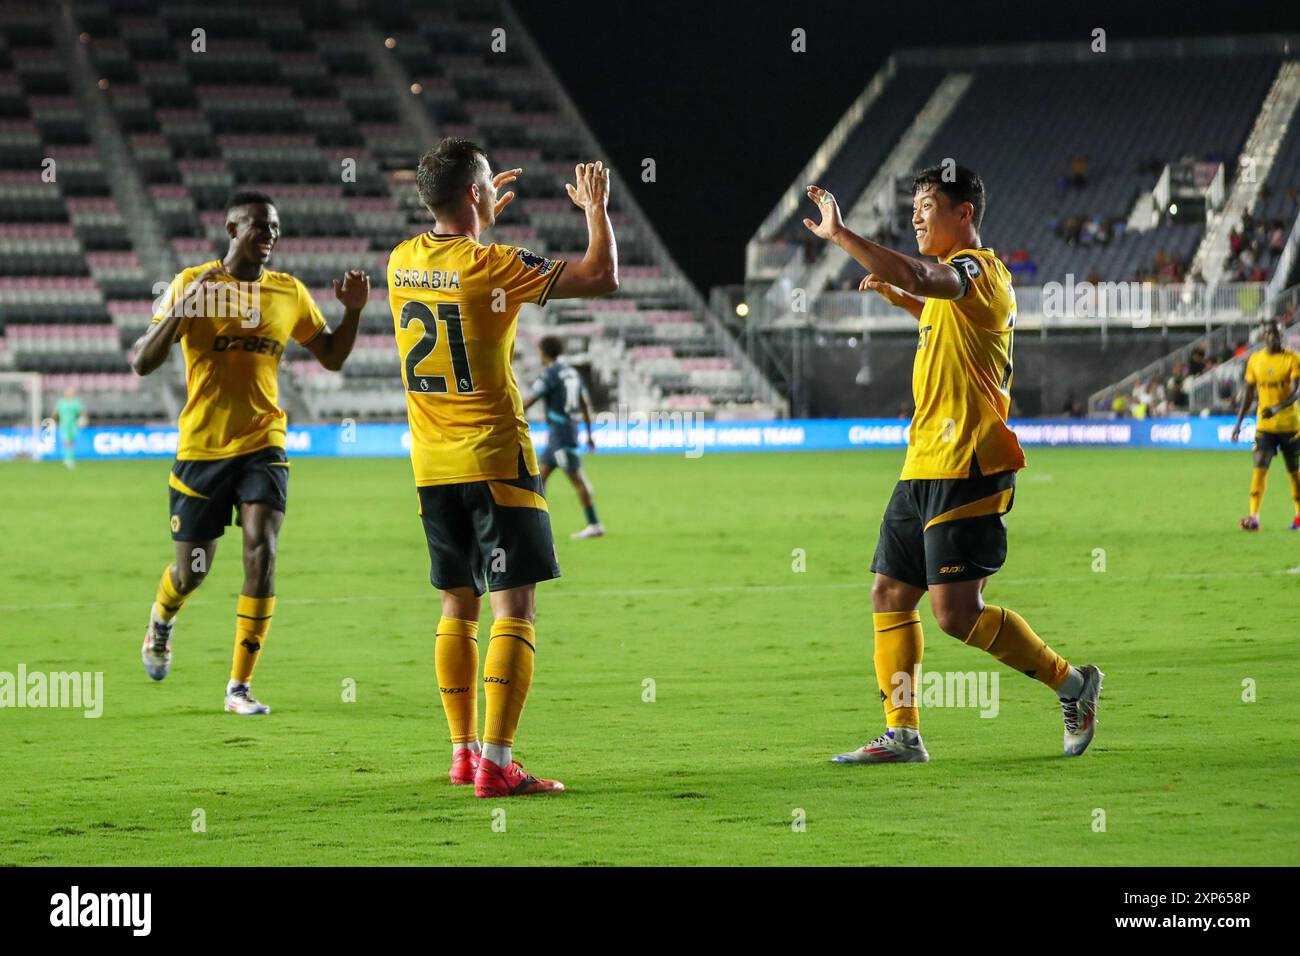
(1250, 523)
(1295, 523)
(464, 763)
(494, 781)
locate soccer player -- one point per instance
(943, 529)
(455, 305)
(72, 417)
(562, 388)
(233, 318)
(1274, 372)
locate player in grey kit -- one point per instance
(560, 386)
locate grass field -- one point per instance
(761, 673)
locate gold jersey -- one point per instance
(455, 305)
(233, 342)
(961, 377)
(1272, 375)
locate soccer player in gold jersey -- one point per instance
(1273, 372)
(455, 304)
(943, 529)
(233, 318)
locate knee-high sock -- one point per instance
(169, 599)
(252, 622)
(1007, 636)
(507, 675)
(1258, 481)
(455, 658)
(1295, 489)
(899, 649)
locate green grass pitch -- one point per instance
(761, 673)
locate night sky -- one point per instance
(713, 92)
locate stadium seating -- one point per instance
(290, 102)
(1121, 116)
(65, 255)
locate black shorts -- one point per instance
(1288, 443)
(205, 495)
(488, 535)
(567, 458)
(943, 530)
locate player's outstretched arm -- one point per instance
(929, 280)
(893, 295)
(333, 346)
(597, 272)
(150, 350)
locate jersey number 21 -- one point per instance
(449, 315)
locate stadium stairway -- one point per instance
(1271, 138)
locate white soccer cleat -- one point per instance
(887, 748)
(1081, 712)
(596, 530)
(240, 701)
(156, 653)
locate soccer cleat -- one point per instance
(240, 701)
(494, 781)
(1081, 712)
(886, 749)
(1249, 523)
(157, 650)
(1295, 523)
(596, 530)
(464, 764)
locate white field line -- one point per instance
(552, 594)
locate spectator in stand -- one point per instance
(1021, 266)
(1196, 361)
(1078, 177)
(1088, 231)
(1242, 348)
(1177, 398)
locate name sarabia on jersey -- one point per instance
(425, 279)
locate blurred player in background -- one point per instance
(455, 304)
(71, 415)
(561, 387)
(943, 529)
(1273, 372)
(233, 318)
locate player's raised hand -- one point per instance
(505, 179)
(206, 279)
(592, 189)
(354, 292)
(203, 287)
(831, 222)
